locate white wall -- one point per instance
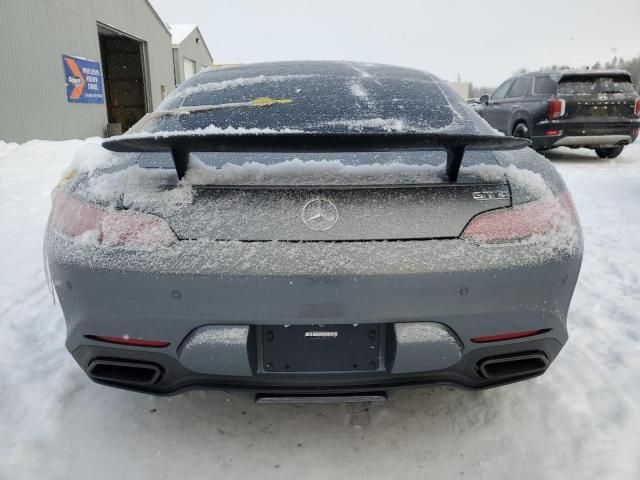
(192, 50)
(33, 36)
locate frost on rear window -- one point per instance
(328, 97)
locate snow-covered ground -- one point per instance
(580, 420)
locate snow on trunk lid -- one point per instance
(332, 213)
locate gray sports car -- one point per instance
(312, 231)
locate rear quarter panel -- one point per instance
(530, 110)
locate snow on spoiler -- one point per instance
(182, 144)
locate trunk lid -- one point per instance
(334, 214)
(321, 201)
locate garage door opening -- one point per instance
(189, 68)
(123, 68)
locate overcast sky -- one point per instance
(484, 41)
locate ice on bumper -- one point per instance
(217, 350)
(425, 346)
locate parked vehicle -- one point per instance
(597, 109)
(313, 229)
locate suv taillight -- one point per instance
(539, 218)
(555, 108)
(637, 109)
(92, 224)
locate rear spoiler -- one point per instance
(180, 145)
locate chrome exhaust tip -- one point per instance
(123, 371)
(513, 365)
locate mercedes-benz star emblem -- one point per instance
(319, 214)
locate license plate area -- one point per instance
(320, 348)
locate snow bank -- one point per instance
(36, 371)
(7, 148)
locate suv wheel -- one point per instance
(521, 130)
(612, 152)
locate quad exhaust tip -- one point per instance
(513, 365)
(127, 372)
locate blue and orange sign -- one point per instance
(83, 80)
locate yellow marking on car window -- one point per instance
(258, 102)
(268, 101)
(68, 176)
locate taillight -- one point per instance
(556, 108)
(503, 337)
(92, 224)
(538, 218)
(637, 109)
(553, 133)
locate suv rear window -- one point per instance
(592, 84)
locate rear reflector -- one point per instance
(556, 108)
(132, 342)
(637, 108)
(501, 337)
(553, 133)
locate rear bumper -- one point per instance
(593, 140)
(175, 378)
(592, 134)
(474, 291)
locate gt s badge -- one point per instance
(490, 195)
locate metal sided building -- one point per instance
(190, 52)
(70, 67)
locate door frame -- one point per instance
(144, 60)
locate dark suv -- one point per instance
(595, 109)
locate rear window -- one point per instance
(323, 102)
(593, 85)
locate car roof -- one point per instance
(318, 67)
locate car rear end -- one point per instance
(315, 275)
(590, 109)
